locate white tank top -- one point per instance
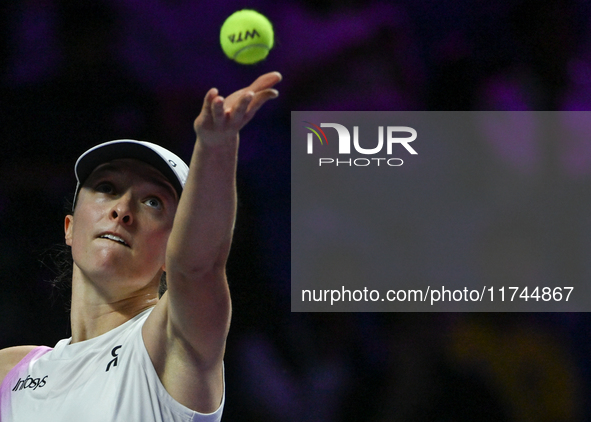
(108, 378)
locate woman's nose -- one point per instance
(121, 211)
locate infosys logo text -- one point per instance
(390, 136)
(30, 382)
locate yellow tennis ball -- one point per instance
(247, 36)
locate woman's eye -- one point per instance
(154, 203)
(105, 188)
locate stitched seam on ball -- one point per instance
(250, 46)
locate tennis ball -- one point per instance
(246, 36)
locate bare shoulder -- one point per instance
(10, 356)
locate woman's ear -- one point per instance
(68, 226)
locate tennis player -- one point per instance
(140, 212)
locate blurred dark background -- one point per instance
(74, 74)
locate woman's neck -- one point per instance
(95, 312)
